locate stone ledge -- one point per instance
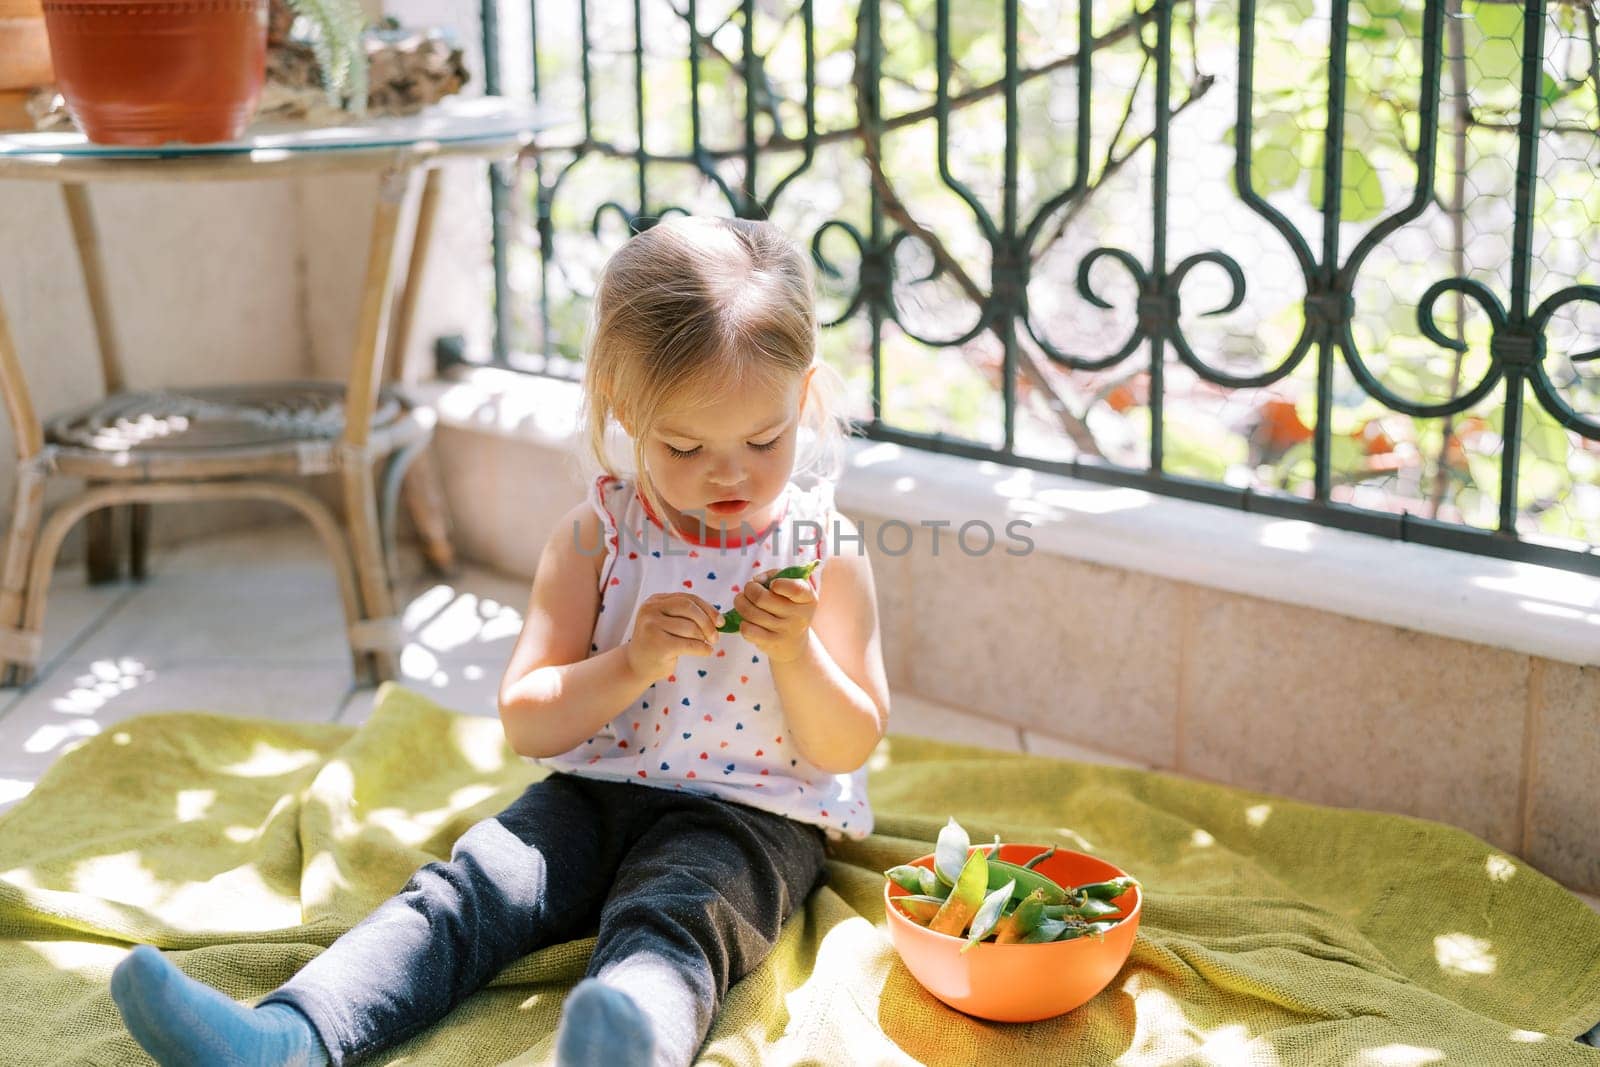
(1540, 611)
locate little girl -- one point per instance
(695, 774)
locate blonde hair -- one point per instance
(703, 304)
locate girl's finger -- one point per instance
(694, 610)
(761, 616)
(758, 594)
(712, 615)
(688, 646)
(742, 601)
(756, 634)
(687, 629)
(795, 590)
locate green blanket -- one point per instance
(1274, 932)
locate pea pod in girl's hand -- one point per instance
(731, 620)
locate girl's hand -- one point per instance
(777, 617)
(667, 626)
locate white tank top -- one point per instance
(716, 725)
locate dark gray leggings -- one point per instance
(688, 894)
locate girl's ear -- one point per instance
(805, 388)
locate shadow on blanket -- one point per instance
(1274, 932)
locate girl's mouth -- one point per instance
(727, 507)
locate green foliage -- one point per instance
(1448, 468)
(337, 27)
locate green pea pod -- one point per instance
(965, 898)
(1093, 909)
(732, 619)
(918, 908)
(988, 914)
(1072, 931)
(1107, 890)
(907, 877)
(1047, 930)
(1089, 910)
(1022, 921)
(1100, 928)
(950, 853)
(1026, 879)
(1040, 858)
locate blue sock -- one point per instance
(602, 1027)
(181, 1021)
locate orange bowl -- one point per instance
(1019, 983)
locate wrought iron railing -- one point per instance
(973, 181)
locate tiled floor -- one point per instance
(250, 624)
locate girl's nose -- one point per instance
(727, 474)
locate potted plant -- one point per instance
(335, 30)
(182, 70)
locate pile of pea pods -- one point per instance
(977, 896)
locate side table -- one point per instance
(138, 448)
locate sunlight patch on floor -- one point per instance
(103, 682)
(54, 735)
(447, 620)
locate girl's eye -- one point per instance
(678, 453)
(767, 446)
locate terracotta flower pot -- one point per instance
(24, 48)
(145, 72)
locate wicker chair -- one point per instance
(227, 443)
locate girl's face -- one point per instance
(722, 463)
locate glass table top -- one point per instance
(457, 120)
